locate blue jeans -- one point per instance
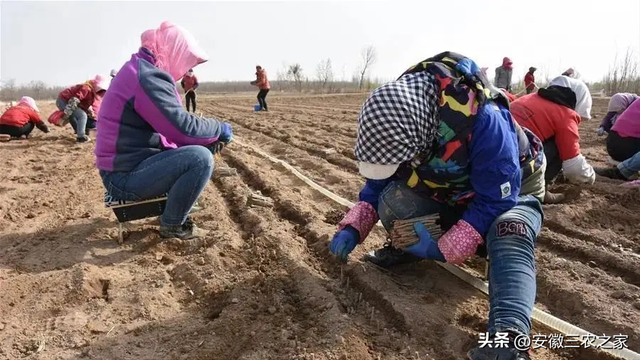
(183, 173)
(510, 245)
(630, 167)
(78, 118)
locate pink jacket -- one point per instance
(628, 123)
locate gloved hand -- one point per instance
(601, 131)
(226, 134)
(216, 147)
(42, 127)
(72, 105)
(344, 241)
(427, 247)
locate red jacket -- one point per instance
(261, 80)
(189, 82)
(19, 116)
(83, 92)
(547, 119)
(529, 81)
(510, 96)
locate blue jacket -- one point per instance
(495, 165)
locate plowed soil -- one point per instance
(261, 284)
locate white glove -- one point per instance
(578, 171)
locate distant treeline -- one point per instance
(38, 90)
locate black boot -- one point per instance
(611, 173)
(185, 231)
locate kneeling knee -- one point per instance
(201, 156)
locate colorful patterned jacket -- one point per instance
(482, 157)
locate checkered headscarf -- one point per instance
(399, 120)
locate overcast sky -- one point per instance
(64, 42)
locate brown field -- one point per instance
(262, 285)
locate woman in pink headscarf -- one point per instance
(19, 120)
(147, 143)
(77, 103)
(617, 104)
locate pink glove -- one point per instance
(362, 217)
(460, 242)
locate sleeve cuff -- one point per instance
(460, 242)
(362, 217)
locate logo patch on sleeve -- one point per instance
(505, 190)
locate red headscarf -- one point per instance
(507, 63)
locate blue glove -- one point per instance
(344, 242)
(427, 247)
(601, 131)
(226, 134)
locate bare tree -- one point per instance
(623, 77)
(369, 58)
(324, 72)
(8, 91)
(37, 87)
(295, 72)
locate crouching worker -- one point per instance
(623, 141)
(553, 115)
(617, 105)
(433, 142)
(623, 145)
(77, 103)
(147, 144)
(20, 120)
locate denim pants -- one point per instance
(183, 173)
(510, 245)
(630, 167)
(79, 117)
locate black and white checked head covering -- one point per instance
(397, 122)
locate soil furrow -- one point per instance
(349, 300)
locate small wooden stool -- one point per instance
(127, 211)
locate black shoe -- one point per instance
(611, 173)
(388, 256)
(185, 231)
(487, 353)
(83, 139)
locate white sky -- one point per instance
(65, 42)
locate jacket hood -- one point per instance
(583, 96)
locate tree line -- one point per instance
(622, 76)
